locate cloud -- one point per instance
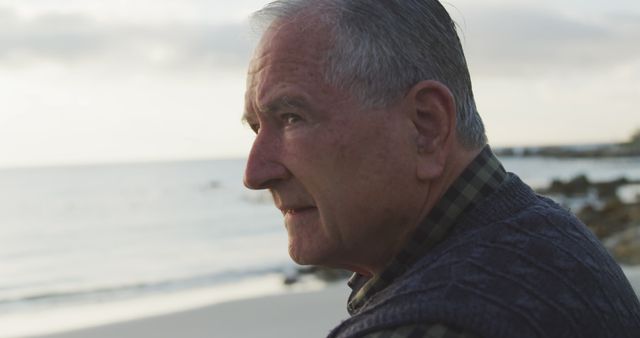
(77, 38)
(500, 40)
(524, 41)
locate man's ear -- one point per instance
(433, 112)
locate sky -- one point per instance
(88, 81)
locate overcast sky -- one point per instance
(85, 81)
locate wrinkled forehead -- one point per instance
(287, 52)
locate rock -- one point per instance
(614, 217)
(625, 246)
(288, 280)
(319, 272)
(609, 189)
(578, 186)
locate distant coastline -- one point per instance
(582, 151)
(631, 148)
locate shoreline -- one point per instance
(54, 318)
(309, 309)
(289, 314)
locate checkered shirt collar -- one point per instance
(481, 177)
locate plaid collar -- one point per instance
(481, 177)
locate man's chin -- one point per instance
(305, 255)
(302, 258)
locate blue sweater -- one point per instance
(517, 265)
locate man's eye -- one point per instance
(290, 118)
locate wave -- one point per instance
(138, 289)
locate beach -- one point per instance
(291, 314)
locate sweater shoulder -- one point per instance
(521, 266)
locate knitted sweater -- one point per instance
(517, 265)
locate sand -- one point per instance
(303, 314)
(293, 314)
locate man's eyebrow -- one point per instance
(280, 103)
(285, 102)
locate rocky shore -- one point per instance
(613, 218)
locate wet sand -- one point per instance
(304, 314)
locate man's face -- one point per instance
(342, 175)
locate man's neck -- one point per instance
(456, 163)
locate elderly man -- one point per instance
(368, 138)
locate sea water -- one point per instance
(88, 245)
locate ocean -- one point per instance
(89, 245)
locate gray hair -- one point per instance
(381, 48)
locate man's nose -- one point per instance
(264, 166)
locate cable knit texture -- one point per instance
(516, 265)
